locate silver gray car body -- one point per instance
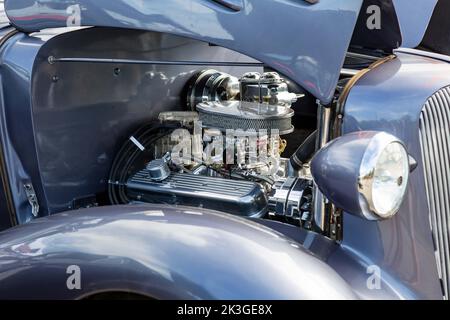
(166, 252)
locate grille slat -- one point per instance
(444, 135)
(430, 177)
(441, 177)
(435, 144)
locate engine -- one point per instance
(224, 153)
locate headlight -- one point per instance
(364, 173)
(384, 175)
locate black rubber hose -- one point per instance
(129, 154)
(118, 163)
(305, 152)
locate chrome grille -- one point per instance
(435, 144)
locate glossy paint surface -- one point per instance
(162, 252)
(338, 180)
(390, 98)
(17, 134)
(413, 17)
(275, 32)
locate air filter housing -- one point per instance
(253, 102)
(233, 115)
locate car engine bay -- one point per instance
(224, 153)
(180, 122)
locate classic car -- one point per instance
(224, 149)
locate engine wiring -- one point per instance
(130, 156)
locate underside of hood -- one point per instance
(305, 40)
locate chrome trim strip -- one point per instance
(323, 136)
(349, 72)
(361, 56)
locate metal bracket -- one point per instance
(52, 60)
(412, 163)
(32, 199)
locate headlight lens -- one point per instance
(390, 180)
(384, 176)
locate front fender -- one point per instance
(163, 252)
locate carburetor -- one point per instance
(268, 88)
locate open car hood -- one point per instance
(305, 41)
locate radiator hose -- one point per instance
(304, 153)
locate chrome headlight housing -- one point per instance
(365, 173)
(383, 176)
